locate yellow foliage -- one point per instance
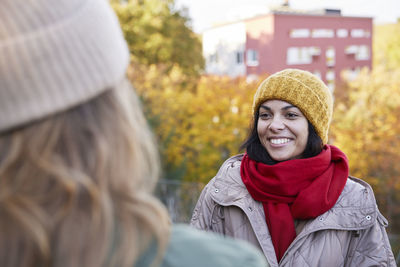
(198, 127)
(367, 127)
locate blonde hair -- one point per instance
(75, 188)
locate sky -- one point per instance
(205, 13)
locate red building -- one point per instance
(322, 42)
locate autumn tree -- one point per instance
(158, 33)
(366, 123)
(165, 102)
(217, 123)
(166, 61)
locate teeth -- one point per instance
(279, 141)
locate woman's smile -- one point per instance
(279, 141)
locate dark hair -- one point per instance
(257, 152)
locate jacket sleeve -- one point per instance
(202, 213)
(372, 247)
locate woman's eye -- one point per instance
(291, 115)
(264, 116)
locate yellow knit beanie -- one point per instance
(305, 91)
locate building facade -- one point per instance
(324, 43)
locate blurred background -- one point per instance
(197, 64)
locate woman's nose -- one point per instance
(276, 124)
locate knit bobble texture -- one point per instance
(303, 90)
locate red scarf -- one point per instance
(295, 189)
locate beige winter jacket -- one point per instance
(352, 233)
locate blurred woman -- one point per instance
(77, 160)
(290, 194)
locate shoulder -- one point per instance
(357, 206)
(228, 177)
(230, 164)
(229, 172)
(190, 247)
(227, 185)
(357, 193)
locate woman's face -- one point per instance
(282, 129)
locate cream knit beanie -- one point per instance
(305, 91)
(56, 54)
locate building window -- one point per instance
(351, 74)
(342, 33)
(252, 57)
(330, 79)
(314, 50)
(299, 33)
(330, 75)
(360, 33)
(362, 53)
(317, 73)
(330, 56)
(301, 55)
(322, 33)
(239, 57)
(351, 49)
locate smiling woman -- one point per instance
(290, 194)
